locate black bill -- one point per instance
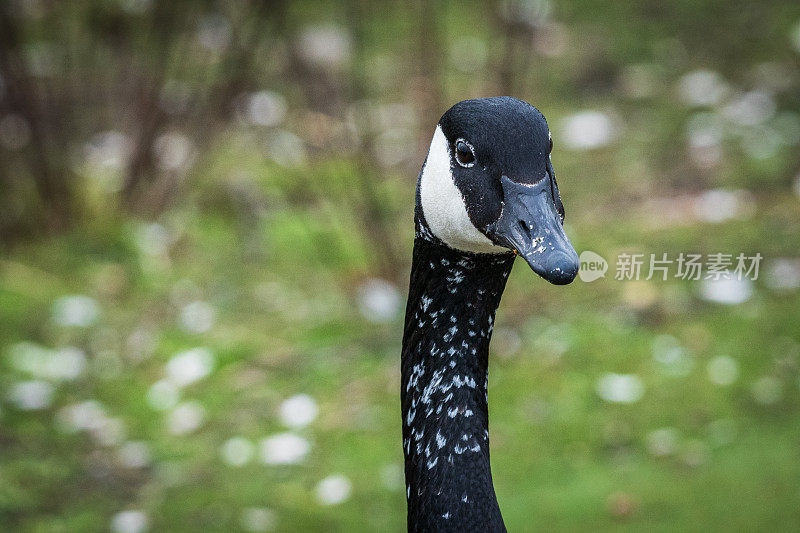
(531, 224)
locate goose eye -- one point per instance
(464, 154)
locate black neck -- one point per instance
(452, 301)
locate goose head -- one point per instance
(488, 186)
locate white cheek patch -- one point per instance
(443, 204)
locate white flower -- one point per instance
(153, 239)
(767, 390)
(392, 476)
(663, 441)
(378, 300)
(81, 416)
(723, 370)
(141, 343)
(728, 289)
(134, 454)
(174, 151)
(77, 310)
(136, 7)
(783, 274)
(506, 342)
(257, 519)
(620, 388)
(673, 357)
(236, 451)
(284, 449)
(108, 150)
(325, 46)
(187, 367)
(162, 395)
(718, 205)
(333, 490)
(389, 146)
(704, 132)
(214, 32)
(266, 108)
(298, 411)
(553, 341)
(287, 149)
(702, 88)
(109, 431)
(129, 522)
(587, 130)
(197, 317)
(31, 395)
(29, 357)
(750, 109)
(68, 363)
(185, 418)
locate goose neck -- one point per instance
(452, 301)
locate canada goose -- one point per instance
(486, 193)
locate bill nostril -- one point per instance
(525, 229)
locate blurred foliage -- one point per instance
(206, 211)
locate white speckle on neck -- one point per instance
(426, 301)
(443, 204)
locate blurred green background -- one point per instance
(206, 227)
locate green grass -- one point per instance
(281, 253)
(563, 459)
